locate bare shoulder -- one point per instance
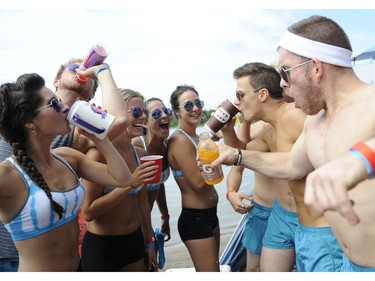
(137, 142)
(140, 151)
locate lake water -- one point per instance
(228, 218)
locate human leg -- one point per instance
(199, 230)
(256, 224)
(278, 252)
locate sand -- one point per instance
(177, 256)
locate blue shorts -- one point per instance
(256, 224)
(7, 265)
(281, 229)
(317, 250)
(349, 266)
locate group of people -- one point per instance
(313, 160)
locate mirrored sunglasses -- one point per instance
(55, 103)
(189, 104)
(73, 67)
(137, 112)
(157, 113)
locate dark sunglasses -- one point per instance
(284, 72)
(157, 113)
(240, 95)
(137, 112)
(189, 105)
(55, 103)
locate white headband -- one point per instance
(314, 49)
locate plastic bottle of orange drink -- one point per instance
(208, 152)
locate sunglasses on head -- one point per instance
(189, 105)
(73, 67)
(137, 112)
(284, 72)
(157, 113)
(55, 103)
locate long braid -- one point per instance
(28, 165)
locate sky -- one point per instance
(157, 45)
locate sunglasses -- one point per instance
(189, 105)
(55, 103)
(240, 95)
(137, 112)
(157, 113)
(284, 72)
(73, 67)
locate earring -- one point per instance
(34, 132)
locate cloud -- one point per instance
(153, 46)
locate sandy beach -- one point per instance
(177, 257)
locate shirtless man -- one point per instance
(264, 192)
(315, 56)
(259, 96)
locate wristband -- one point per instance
(150, 246)
(239, 157)
(137, 188)
(150, 240)
(165, 218)
(100, 69)
(229, 192)
(367, 155)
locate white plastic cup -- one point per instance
(90, 118)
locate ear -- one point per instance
(56, 84)
(263, 94)
(318, 69)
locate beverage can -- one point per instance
(97, 54)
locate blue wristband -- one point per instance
(150, 246)
(370, 170)
(100, 69)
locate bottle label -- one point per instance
(210, 173)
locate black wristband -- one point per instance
(239, 158)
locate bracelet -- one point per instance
(239, 157)
(367, 155)
(150, 240)
(100, 69)
(136, 188)
(165, 218)
(229, 192)
(150, 246)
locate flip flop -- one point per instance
(160, 243)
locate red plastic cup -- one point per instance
(158, 161)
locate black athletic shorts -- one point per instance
(197, 223)
(111, 253)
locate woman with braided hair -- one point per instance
(40, 189)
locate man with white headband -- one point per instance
(336, 147)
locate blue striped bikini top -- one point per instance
(164, 174)
(134, 191)
(37, 216)
(178, 173)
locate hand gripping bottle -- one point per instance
(98, 53)
(208, 152)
